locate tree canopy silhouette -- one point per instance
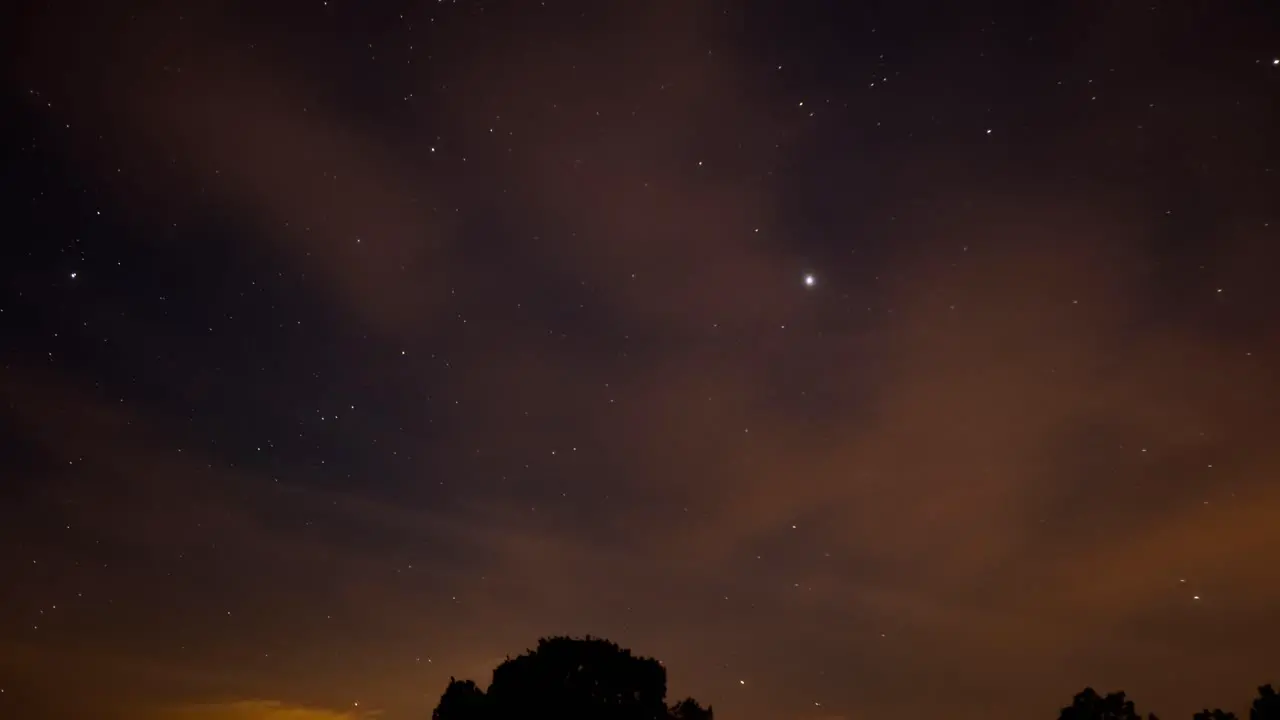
(1266, 706)
(462, 699)
(570, 679)
(1089, 705)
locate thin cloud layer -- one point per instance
(1009, 464)
(256, 710)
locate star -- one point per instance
(810, 280)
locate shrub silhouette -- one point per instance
(570, 679)
(1217, 714)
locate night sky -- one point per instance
(903, 359)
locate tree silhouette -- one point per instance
(1089, 705)
(570, 679)
(689, 709)
(462, 700)
(1266, 706)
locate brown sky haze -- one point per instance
(1024, 469)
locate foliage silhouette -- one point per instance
(570, 679)
(462, 700)
(1089, 705)
(1266, 706)
(689, 709)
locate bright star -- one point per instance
(810, 280)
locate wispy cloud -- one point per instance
(1000, 407)
(256, 710)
